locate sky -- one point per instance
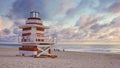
(69, 19)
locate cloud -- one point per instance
(17, 31)
(21, 8)
(5, 23)
(6, 31)
(1, 24)
(115, 7)
(66, 5)
(116, 22)
(86, 20)
(84, 7)
(69, 19)
(49, 9)
(66, 33)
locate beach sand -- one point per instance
(8, 59)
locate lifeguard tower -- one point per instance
(33, 39)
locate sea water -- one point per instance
(9, 45)
(77, 48)
(89, 48)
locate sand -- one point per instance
(8, 59)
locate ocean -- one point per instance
(77, 48)
(89, 48)
(9, 45)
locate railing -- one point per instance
(27, 31)
(46, 39)
(40, 31)
(36, 21)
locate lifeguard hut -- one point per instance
(33, 39)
